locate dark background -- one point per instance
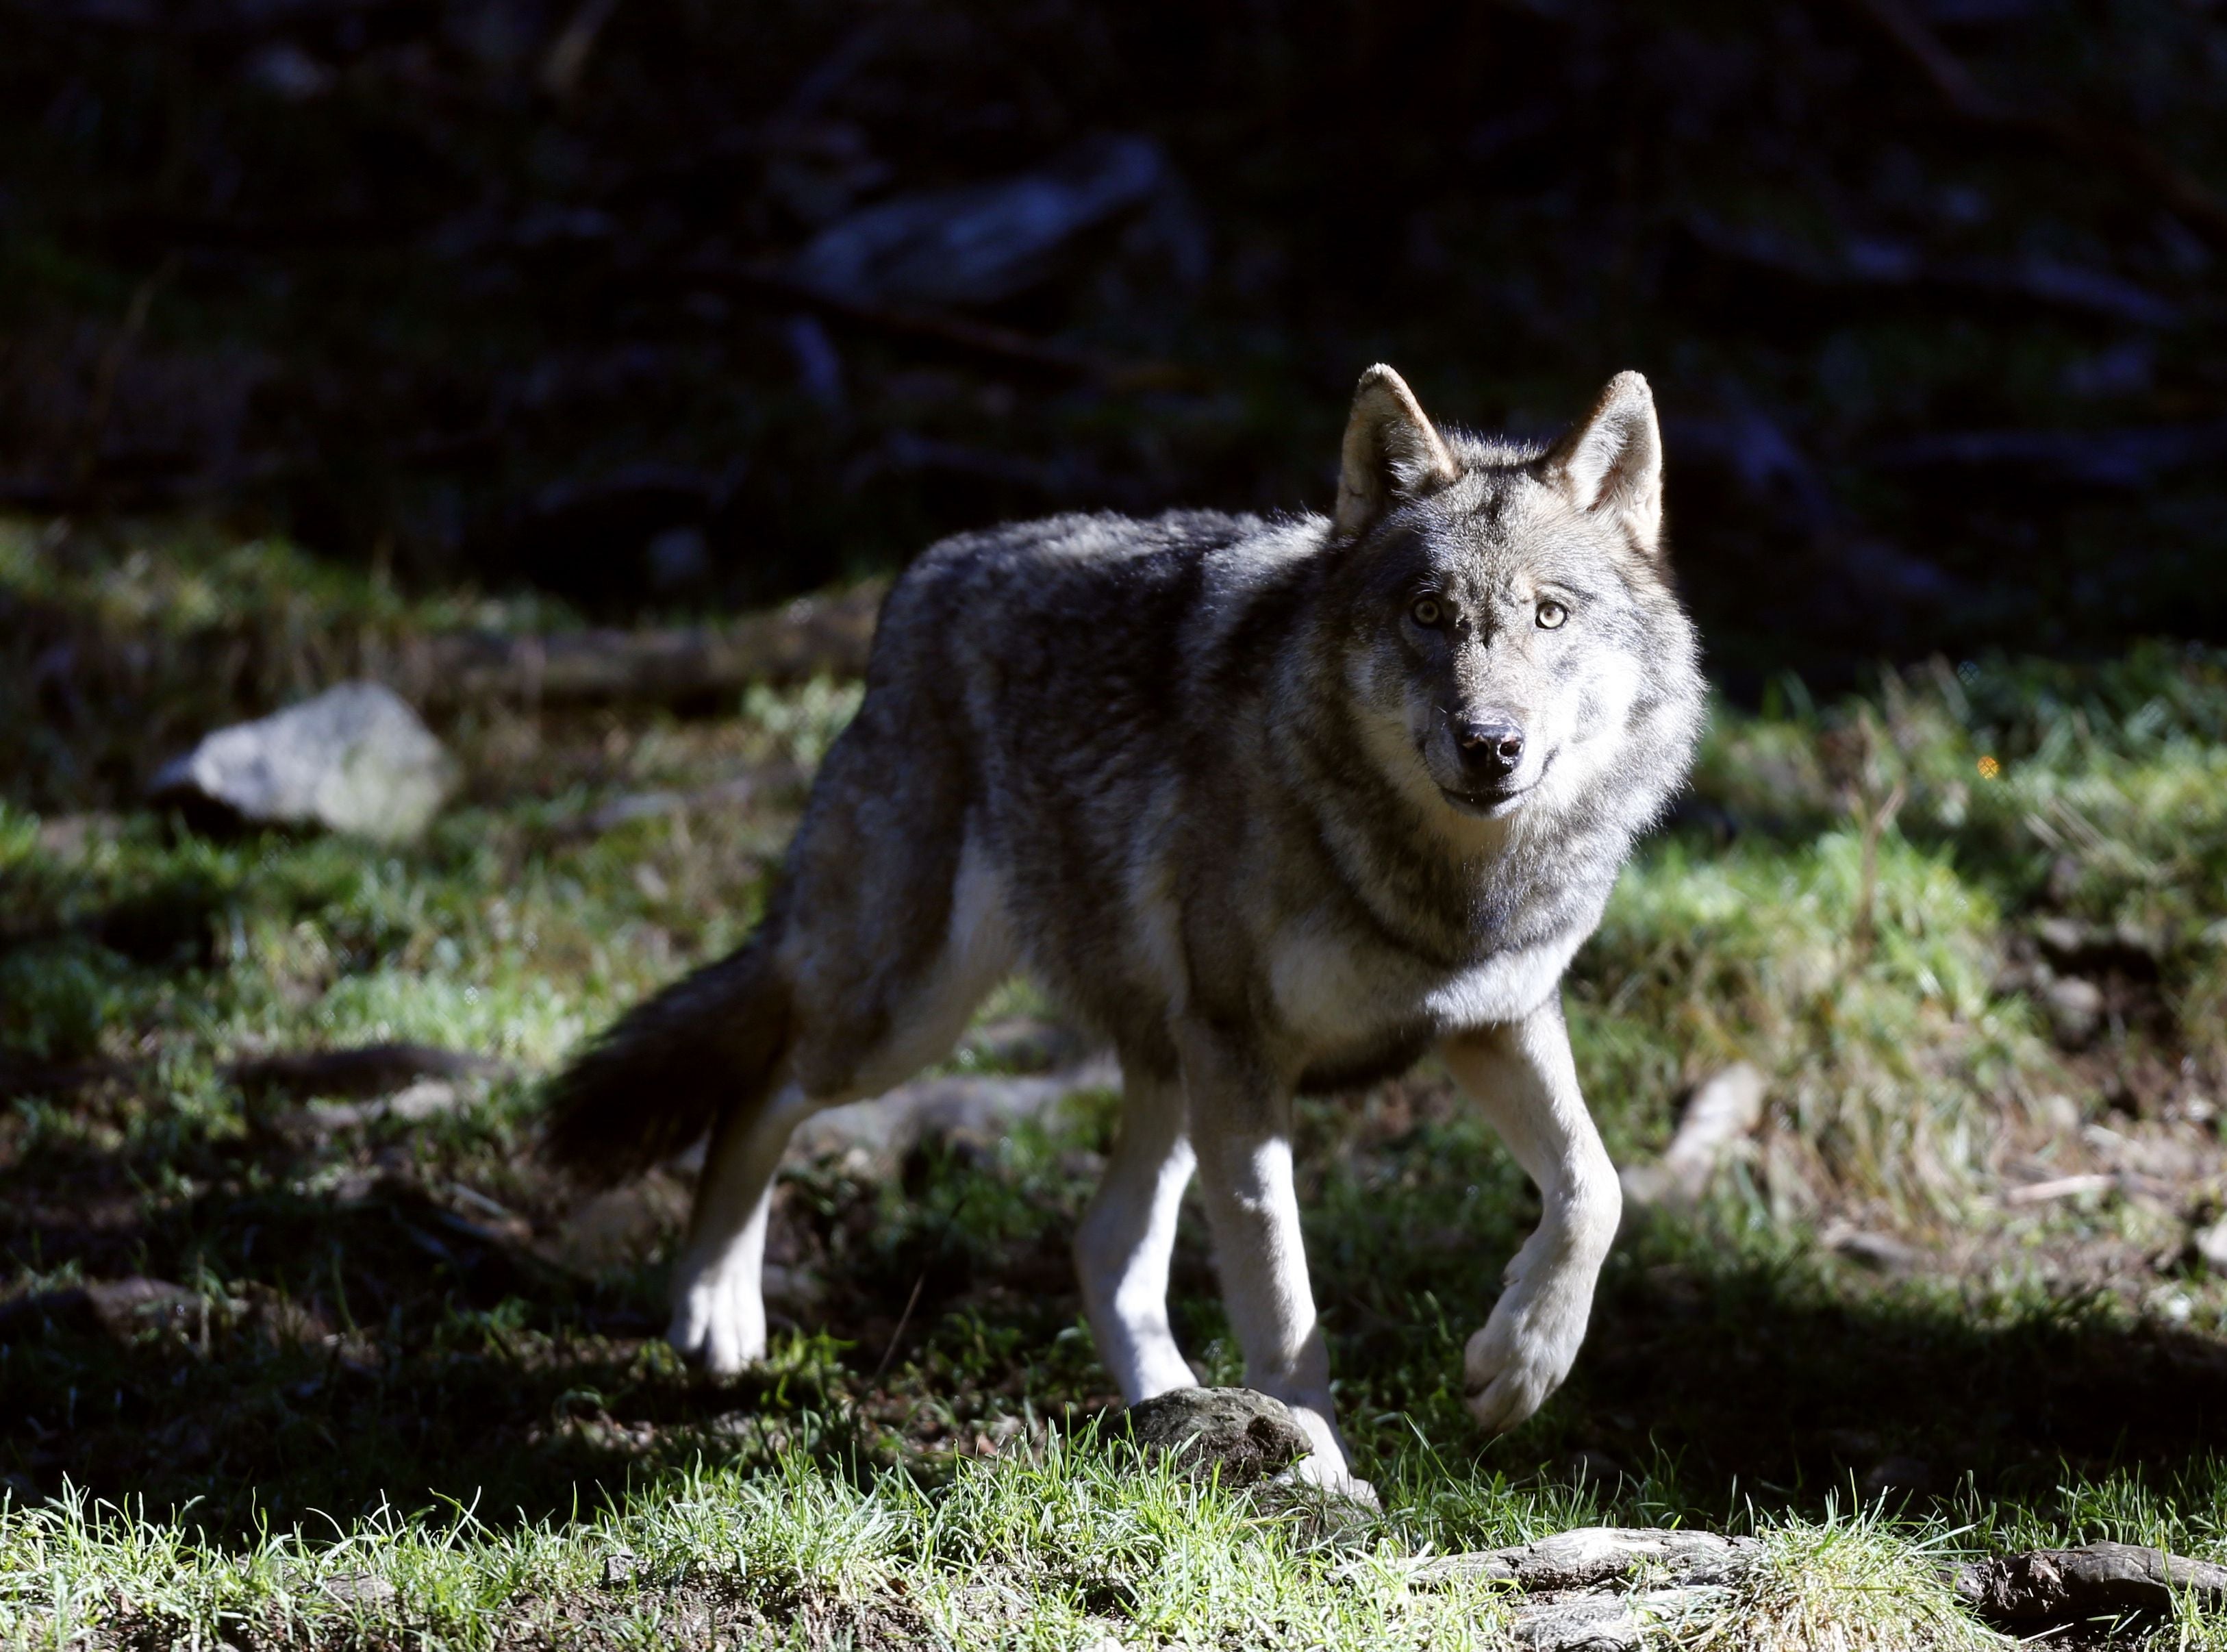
(507, 292)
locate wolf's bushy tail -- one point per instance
(663, 1074)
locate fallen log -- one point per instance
(2048, 1588)
(813, 636)
(364, 1070)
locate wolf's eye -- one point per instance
(1551, 614)
(1426, 612)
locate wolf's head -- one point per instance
(1510, 638)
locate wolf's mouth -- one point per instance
(1491, 802)
(1487, 804)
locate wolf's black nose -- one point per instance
(1491, 747)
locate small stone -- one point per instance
(125, 1307)
(1882, 1253)
(354, 759)
(1247, 1437)
(1616, 1622)
(359, 1588)
(2061, 938)
(2210, 1243)
(620, 1566)
(2075, 1005)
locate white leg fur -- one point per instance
(1241, 1129)
(1523, 1076)
(1122, 1246)
(719, 1279)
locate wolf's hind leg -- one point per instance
(1241, 1129)
(924, 988)
(718, 1290)
(1523, 1077)
(1125, 1239)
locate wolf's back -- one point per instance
(667, 1070)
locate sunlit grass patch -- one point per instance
(1886, 1058)
(1848, 1583)
(1060, 1546)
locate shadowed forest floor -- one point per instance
(1956, 1279)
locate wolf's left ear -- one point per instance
(1391, 451)
(1612, 462)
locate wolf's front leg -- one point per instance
(1241, 1131)
(1123, 1245)
(1521, 1075)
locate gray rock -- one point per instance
(1615, 1623)
(1245, 1437)
(354, 759)
(2210, 1243)
(2076, 1009)
(125, 1307)
(1592, 1555)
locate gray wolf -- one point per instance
(1275, 806)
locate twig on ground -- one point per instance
(1724, 1110)
(2060, 1187)
(811, 637)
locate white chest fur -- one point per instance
(1335, 995)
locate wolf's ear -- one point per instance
(1391, 452)
(1612, 462)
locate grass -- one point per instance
(391, 1385)
(1849, 1584)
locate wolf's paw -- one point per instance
(1334, 1477)
(1325, 1465)
(717, 1328)
(1523, 1354)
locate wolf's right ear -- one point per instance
(1390, 453)
(1612, 463)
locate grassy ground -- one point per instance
(380, 1380)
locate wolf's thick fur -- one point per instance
(1272, 804)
